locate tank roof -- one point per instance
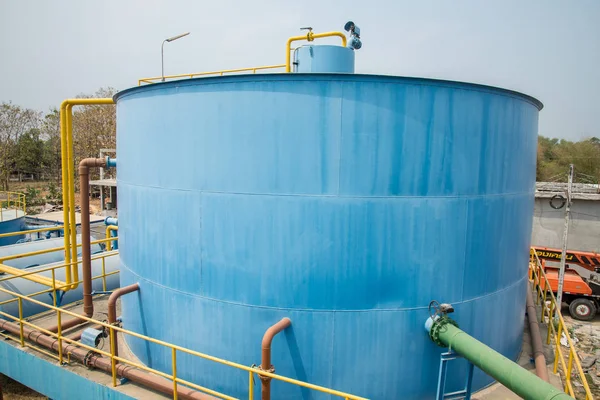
(328, 77)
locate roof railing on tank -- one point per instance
(18, 334)
(156, 79)
(310, 37)
(12, 201)
(551, 312)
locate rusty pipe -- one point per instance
(536, 340)
(112, 307)
(97, 361)
(67, 325)
(114, 296)
(77, 336)
(265, 364)
(86, 252)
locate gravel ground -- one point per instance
(587, 338)
(13, 390)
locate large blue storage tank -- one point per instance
(12, 221)
(344, 202)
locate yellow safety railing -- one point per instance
(57, 285)
(551, 311)
(18, 233)
(156, 79)
(12, 201)
(34, 276)
(113, 330)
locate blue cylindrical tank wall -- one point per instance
(25, 287)
(324, 58)
(12, 221)
(40, 259)
(344, 202)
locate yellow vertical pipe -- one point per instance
(68, 175)
(72, 220)
(65, 189)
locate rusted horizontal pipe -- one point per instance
(156, 383)
(67, 325)
(77, 336)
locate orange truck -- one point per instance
(581, 294)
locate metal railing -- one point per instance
(252, 371)
(156, 79)
(34, 276)
(12, 201)
(550, 310)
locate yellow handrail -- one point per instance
(33, 275)
(310, 36)
(221, 73)
(113, 330)
(12, 201)
(545, 295)
(54, 228)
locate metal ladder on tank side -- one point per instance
(465, 393)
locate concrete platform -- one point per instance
(73, 379)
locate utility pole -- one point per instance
(563, 258)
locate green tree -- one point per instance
(29, 154)
(14, 122)
(555, 155)
(50, 134)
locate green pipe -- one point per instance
(445, 332)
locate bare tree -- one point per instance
(94, 127)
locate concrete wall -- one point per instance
(584, 227)
(52, 380)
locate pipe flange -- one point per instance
(265, 378)
(438, 326)
(86, 359)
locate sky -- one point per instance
(549, 49)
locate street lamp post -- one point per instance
(162, 51)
